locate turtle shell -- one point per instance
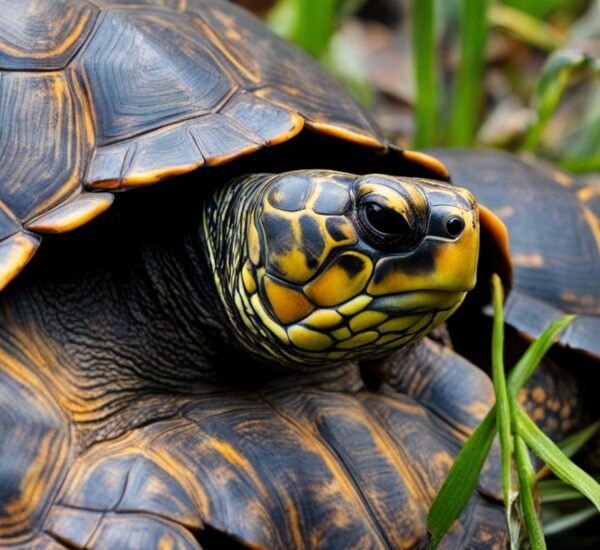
(553, 222)
(303, 462)
(109, 95)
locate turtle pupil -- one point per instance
(384, 220)
(454, 226)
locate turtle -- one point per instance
(186, 370)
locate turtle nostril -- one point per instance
(455, 226)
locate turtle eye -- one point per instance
(455, 226)
(384, 226)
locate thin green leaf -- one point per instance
(551, 85)
(581, 164)
(502, 404)
(573, 444)
(551, 454)
(556, 490)
(525, 367)
(569, 521)
(424, 62)
(461, 480)
(535, 8)
(526, 475)
(464, 473)
(468, 93)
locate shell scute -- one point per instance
(43, 145)
(168, 75)
(34, 448)
(220, 139)
(43, 35)
(272, 124)
(173, 147)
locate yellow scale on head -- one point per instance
(298, 239)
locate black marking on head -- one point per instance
(277, 234)
(290, 193)
(332, 200)
(334, 228)
(420, 262)
(352, 265)
(313, 243)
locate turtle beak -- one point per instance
(445, 260)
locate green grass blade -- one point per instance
(536, 8)
(464, 473)
(468, 91)
(550, 87)
(308, 23)
(556, 490)
(581, 164)
(424, 63)
(551, 454)
(526, 475)
(502, 404)
(569, 521)
(525, 367)
(461, 480)
(574, 443)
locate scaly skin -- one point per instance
(306, 280)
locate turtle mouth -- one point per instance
(418, 301)
(389, 322)
(366, 325)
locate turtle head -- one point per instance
(315, 267)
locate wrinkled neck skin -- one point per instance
(122, 343)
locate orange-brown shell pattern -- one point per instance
(310, 283)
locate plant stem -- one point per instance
(469, 85)
(503, 412)
(526, 475)
(424, 62)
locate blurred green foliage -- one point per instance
(312, 24)
(452, 109)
